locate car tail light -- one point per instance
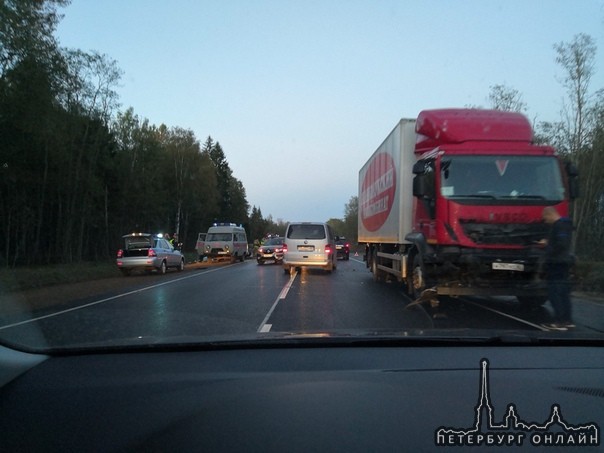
(151, 253)
(284, 248)
(328, 249)
(120, 253)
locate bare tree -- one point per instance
(579, 119)
(577, 60)
(502, 97)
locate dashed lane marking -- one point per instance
(264, 327)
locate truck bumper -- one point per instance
(493, 273)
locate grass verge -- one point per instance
(21, 278)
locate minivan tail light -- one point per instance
(284, 248)
(328, 249)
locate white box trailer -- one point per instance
(386, 188)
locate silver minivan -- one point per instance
(309, 244)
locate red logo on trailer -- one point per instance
(377, 191)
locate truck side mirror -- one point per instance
(419, 167)
(419, 185)
(419, 181)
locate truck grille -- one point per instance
(508, 234)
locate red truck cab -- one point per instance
(479, 189)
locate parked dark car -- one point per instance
(342, 248)
(271, 250)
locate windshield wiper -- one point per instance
(530, 197)
(492, 197)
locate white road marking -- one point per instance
(282, 295)
(523, 321)
(96, 302)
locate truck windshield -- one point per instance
(501, 177)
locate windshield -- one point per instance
(274, 241)
(128, 118)
(502, 177)
(215, 237)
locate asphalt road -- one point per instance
(248, 299)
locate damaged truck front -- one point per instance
(453, 201)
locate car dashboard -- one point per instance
(302, 398)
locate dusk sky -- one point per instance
(300, 93)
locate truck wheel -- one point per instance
(417, 277)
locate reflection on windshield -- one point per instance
(502, 177)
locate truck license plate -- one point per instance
(508, 267)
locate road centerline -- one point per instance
(264, 327)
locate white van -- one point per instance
(226, 240)
(309, 244)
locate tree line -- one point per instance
(76, 174)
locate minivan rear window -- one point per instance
(306, 232)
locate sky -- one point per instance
(300, 93)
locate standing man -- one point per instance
(558, 261)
